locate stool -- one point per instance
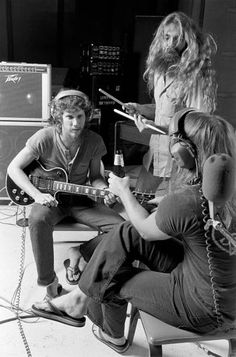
(70, 231)
(158, 333)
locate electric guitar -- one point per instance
(55, 181)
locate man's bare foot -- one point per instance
(74, 303)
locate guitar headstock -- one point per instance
(143, 196)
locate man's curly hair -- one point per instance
(194, 64)
(70, 103)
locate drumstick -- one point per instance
(148, 125)
(111, 96)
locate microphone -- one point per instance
(218, 181)
(218, 186)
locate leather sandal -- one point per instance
(57, 315)
(121, 347)
(75, 272)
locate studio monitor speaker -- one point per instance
(25, 91)
(13, 136)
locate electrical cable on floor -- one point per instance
(15, 302)
(14, 319)
(208, 352)
(6, 215)
(15, 310)
(3, 212)
(16, 296)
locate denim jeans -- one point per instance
(42, 220)
(111, 280)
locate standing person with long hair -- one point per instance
(179, 74)
(190, 279)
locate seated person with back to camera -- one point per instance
(66, 143)
(188, 282)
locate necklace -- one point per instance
(72, 147)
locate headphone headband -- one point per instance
(179, 117)
(68, 92)
(181, 149)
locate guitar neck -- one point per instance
(49, 185)
(74, 189)
(45, 181)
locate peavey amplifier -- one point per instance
(25, 91)
(13, 136)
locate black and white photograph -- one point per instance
(118, 178)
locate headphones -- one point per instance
(67, 93)
(181, 149)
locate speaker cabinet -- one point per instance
(25, 91)
(13, 137)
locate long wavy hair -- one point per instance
(194, 63)
(70, 103)
(209, 134)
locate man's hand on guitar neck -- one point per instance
(110, 199)
(45, 199)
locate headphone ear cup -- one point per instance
(183, 154)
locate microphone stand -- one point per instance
(231, 240)
(219, 227)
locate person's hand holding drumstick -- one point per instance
(132, 108)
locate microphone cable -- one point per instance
(208, 237)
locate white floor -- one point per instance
(44, 338)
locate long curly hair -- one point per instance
(70, 103)
(209, 134)
(194, 63)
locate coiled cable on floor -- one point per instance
(17, 294)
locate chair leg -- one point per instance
(134, 315)
(232, 347)
(155, 351)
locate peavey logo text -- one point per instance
(15, 78)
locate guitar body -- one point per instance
(40, 177)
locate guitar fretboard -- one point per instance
(45, 181)
(78, 189)
(49, 185)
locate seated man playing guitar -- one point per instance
(50, 171)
